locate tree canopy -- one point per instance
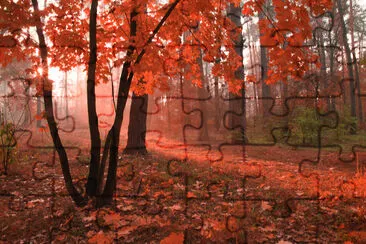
(286, 26)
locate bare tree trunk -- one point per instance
(91, 185)
(349, 62)
(266, 90)
(136, 142)
(114, 132)
(323, 67)
(355, 65)
(258, 74)
(202, 93)
(234, 13)
(39, 107)
(331, 101)
(253, 70)
(218, 114)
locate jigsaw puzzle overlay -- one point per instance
(279, 167)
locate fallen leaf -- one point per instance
(61, 237)
(127, 208)
(125, 231)
(359, 235)
(112, 219)
(30, 205)
(101, 238)
(173, 238)
(176, 207)
(284, 242)
(191, 195)
(266, 206)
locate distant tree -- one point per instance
(355, 62)
(351, 76)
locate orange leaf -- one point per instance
(112, 219)
(173, 238)
(101, 238)
(191, 195)
(266, 206)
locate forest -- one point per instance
(182, 121)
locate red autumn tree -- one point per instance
(144, 38)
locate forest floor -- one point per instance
(200, 200)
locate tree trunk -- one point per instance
(202, 94)
(114, 133)
(136, 142)
(66, 97)
(331, 101)
(91, 185)
(355, 64)
(349, 62)
(266, 90)
(323, 67)
(218, 114)
(234, 13)
(47, 96)
(253, 68)
(39, 105)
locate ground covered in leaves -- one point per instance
(159, 200)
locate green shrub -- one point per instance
(304, 123)
(346, 124)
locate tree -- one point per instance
(235, 101)
(355, 64)
(48, 103)
(136, 142)
(349, 61)
(112, 140)
(147, 45)
(266, 90)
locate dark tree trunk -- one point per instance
(331, 100)
(349, 61)
(202, 94)
(358, 85)
(114, 132)
(47, 96)
(235, 102)
(284, 95)
(218, 114)
(355, 64)
(39, 105)
(92, 183)
(136, 142)
(266, 90)
(323, 67)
